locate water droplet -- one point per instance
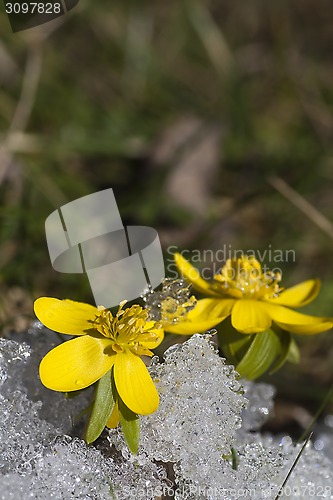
(79, 382)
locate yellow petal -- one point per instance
(206, 314)
(298, 295)
(134, 384)
(192, 275)
(114, 418)
(296, 322)
(65, 316)
(76, 364)
(157, 339)
(306, 329)
(250, 316)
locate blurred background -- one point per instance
(211, 120)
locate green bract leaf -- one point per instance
(285, 341)
(233, 344)
(293, 352)
(102, 408)
(130, 424)
(264, 348)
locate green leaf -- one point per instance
(294, 355)
(102, 408)
(264, 348)
(233, 344)
(235, 352)
(130, 424)
(285, 342)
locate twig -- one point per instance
(302, 204)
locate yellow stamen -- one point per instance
(244, 278)
(127, 329)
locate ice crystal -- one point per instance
(260, 403)
(54, 406)
(21, 432)
(10, 354)
(264, 462)
(201, 402)
(198, 428)
(37, 461)
(171, 302)
(67, 468)
(199, 445)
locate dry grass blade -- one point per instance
(24, 106)
(302, 204)
(278, 496)
(138, 50)
(211, 36)
(324, 403)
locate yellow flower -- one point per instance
(252, 298)
(103, 341)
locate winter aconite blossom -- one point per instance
(252, 298)
(103, 341)
(252, 313)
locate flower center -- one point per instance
(244, 278)
(128, 329)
